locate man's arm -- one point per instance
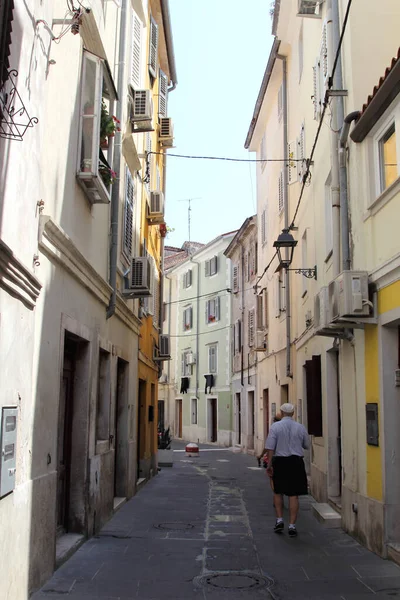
(306, 439)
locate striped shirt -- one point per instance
(287, 438)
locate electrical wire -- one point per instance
(225, 158)
(265, 270)
(196, 297)
(330, 84)
(201, 332)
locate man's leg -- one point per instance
(278, 503)
(293, 509)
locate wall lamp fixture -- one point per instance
(286, 240)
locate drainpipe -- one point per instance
(242, 320)
(344, 199)
(117, 164)
(169, 43)
(197, 325)
(286, 206)
(336, 123)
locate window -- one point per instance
(162, 94)
(136, 51)
(321, 75)
(212, 310)
(388, 158)
(211, 266)
(304, 259)
(6, 17)
(194, 411)
(235, 278)
(328, 217)
(186, 368)
(260, 312)
(103, 397)
(153, 47)
(187, 318)
(237, 337)
(187, 278)
(251, 318)
(212, 358)
(97, 96)
(130, 195)
(280, 192)
(264, 226)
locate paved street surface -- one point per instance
(203, 530)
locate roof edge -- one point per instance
(166, 15)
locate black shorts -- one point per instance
(289, 475)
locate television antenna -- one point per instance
(189, 200)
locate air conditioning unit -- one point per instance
(348, 296)
(261, 342)
(140, 277)
(321, 319)
(156, 208)
(190, 358)
(309, 8)
(141, 105)
(166, 131)
(164, 347)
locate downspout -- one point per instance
(286, 206)
(336, 123)
(242, 320)
(344, 196)
(169, 43)
(197, 326)
(117, 164)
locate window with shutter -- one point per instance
(207, 268)
(153, 41)
(156, 315)
(301, 153)
(317, 89)
(187, 318)
(235, 278)
(260, 312)
(324, 56)
(214, 265)
(251, 327)
(314, 396)
(187, 279)
(252, 262)
(239, 335)
(280, 192)
(136, 51)
(130, 194)
(6, 17)
(212, 358)
(186, 369)
(292, 165)
(212, 310)
(162, 94)
(266, 313)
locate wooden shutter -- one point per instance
(212, 359)
(253, 261)
(280, 191)
(260, 322)
(251, 327)
(162, 94)
(207, 267)
(153, 41)
(239, 335)
(136, 50)
(314, 396)
(128, 213)
(183, 363)
(207, 310)
(6, 17)
(235, 278)
(292, 166)
(151, 299)
(184, 280)
(246, 266)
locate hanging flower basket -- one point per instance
(163, 230)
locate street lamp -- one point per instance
(286, 240)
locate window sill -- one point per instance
(383, 199)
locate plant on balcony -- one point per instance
(108, 125)
(211, 319)
(108, 175)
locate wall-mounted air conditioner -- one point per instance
(141, 105)
(164, 347)
(309, 8)
(321, 319)
(166, 134)
(190, 358)
(156, 207)
(139, 279)
(348, 296)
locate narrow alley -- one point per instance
(203, 529)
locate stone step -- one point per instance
(394, 552)
(325, 514)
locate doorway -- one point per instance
(141, 438)
(120, 430)
(266, 413)
(251, 423)
(178, 419)
(334, 426)
(238, 420)
(161, 415)
(212, 420)
(284, 394)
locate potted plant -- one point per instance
(108, 175)
(108, 126)
(165, 455)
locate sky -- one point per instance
(221, 51)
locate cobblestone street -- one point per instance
(203, 529)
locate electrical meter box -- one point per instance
(8, 443)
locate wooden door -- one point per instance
(214, 428)
(179, 418)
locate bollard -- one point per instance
(192, 449)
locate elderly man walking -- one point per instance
(284, 445)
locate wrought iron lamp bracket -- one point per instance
(307, 272)
(14, 118)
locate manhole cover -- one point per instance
(236, 580)
(175, 526)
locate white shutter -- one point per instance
(253, 262)
(207, 310)
(235, 278)
(153, 41)
(216, 301)
(316, 92)
(189, 278)
(301, 153)
(184, 280)
(266, 310)
(292, 170)
(212, 359)
(207, 266)
(260, 323)
(130, 192)
(183, 363)
(280, 191)
(251, 327)
(136, 51)
(324, 56)
(162, 94)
